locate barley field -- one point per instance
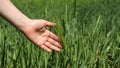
(89, 30)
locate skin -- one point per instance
(34, 30)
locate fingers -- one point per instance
(48, 46)
(56, 43)
(51, 46)
(49, 24)
(42, 23)
(45, 48)
(53, 36)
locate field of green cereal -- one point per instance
(89, 30)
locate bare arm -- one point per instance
(12, 14)
(34, 30)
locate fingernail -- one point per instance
(61, 47)
(58, 50)
(49, 51)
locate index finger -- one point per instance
(53, 36)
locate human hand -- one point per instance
(36, 32)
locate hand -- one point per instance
(36, 32)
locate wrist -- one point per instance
(23, 24)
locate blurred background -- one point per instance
(89, 30)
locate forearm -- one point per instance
(12, 14)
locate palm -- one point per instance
(42, 37)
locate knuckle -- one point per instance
(43, 20)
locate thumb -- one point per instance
(49, 24)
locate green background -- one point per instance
(89, 30)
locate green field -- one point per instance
(89, 30)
